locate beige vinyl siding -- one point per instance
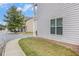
(29, 25)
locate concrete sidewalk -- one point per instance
(13, 49)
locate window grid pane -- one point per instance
(52, 30)
(59, 30)
(59, 22)
(52, 23)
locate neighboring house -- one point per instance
(29, 25)
(58, 21)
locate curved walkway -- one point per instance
(13, 49)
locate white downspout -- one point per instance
(34, 28)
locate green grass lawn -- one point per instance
(41, 47)
(25, 33)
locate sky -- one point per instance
(26, 9)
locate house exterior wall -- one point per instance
(70, 15)
(29, 25)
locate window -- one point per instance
(56, 26)
(52, 26)
(59, 26)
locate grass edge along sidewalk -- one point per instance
(41, 47)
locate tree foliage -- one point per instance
(14, 19)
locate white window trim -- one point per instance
(57, 26)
